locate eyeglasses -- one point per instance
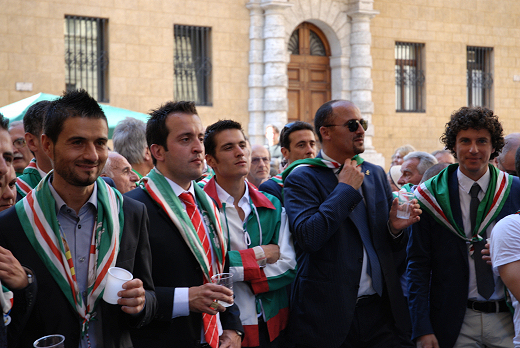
(352, 125)
(19, 143)
(256, 160)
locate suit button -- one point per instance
(360, 260)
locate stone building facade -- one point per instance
(261, 71)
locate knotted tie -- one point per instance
(485, 281)
(209, 321)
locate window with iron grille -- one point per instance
(409, 77)
(86, 55)
(192, 64)
(479, 76)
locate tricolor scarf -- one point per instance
(434, 197)
(37, 214)
(29, 179)
(278, 179)
(316, 162)
(156, 185)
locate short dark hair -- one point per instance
(475, 118)
(323, 116)
(4, 122)
(76, 103)
(34, 117)
(214, 129)
(290, 128)
(156, 130)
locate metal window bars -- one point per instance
(192, 64)
(479, 77)
(86, 55)
(409, 77)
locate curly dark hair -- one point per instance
(476, 118)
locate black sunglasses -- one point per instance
(352, 125)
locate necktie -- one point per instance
(209, 321)
(374, 268)
(485, 281)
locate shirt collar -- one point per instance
(42, 173)
(179, 190)
(325, 157)
(60, 202)
(225, 197)
(465, 183)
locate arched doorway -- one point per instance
(308, 71)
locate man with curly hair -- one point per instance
(454, 298)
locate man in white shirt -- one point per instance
(261, 253)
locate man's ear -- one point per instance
(285, 152)
(211, 161)
(325, 132)
(157, 151)
(32, 142)
(48, 146)
(147, 154)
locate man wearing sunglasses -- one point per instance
(22, 153)
(298, 142)
(343, 219)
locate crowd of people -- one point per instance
(317, 252)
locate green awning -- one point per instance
(17, 110)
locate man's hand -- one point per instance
(351, 174)
(230, 339)
(427, 341)
(201, 297)
(132, 297)
(397, 224)
(486, 256)
(272, 252)
(12, 274)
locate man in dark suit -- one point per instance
(68, 232)
(343, 218)
(298, 141)
(454, 298)
(182, 263)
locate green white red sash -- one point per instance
(37, 214)
(434, 197)
(316, 162)
(156, 185)
(29, 179)
(278, 179)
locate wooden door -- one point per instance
(308, 71)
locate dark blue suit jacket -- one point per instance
(438, 305)
(330, 252)
(272, 187)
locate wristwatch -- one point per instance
(239, 333)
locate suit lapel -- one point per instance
(367, 187)
(453, 187)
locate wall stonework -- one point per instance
(141, 49)
(446, 27)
